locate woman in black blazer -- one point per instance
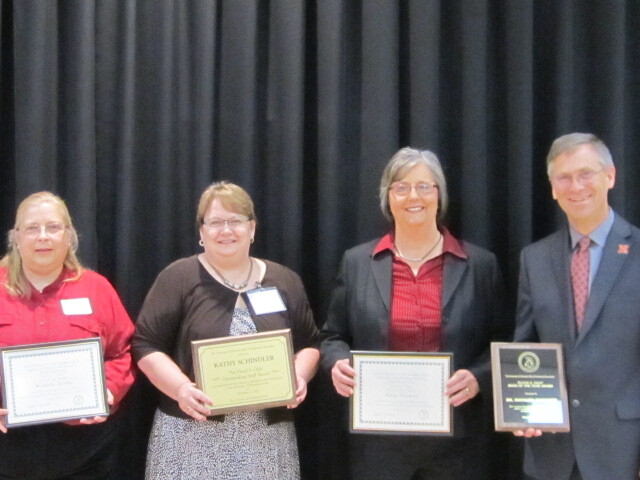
(419, 289)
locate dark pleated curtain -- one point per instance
(128, 109)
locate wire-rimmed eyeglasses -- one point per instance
(34, 230)
(402, 189)
(584, 177)
(219, 223)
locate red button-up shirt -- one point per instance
(40, 318)
(416, 300)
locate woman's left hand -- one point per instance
(93, 420)
(301, 391)
(461, 387)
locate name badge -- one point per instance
(265, 300)
(76, 306)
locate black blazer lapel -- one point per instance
(608, 271)
(454, 268)
(558, 266)
(381, 267)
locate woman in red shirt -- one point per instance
(47, 296)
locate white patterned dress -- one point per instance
(243, 447)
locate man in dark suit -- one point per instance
(579, 287)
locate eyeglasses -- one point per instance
(584, 177)
(402, 189)
(233, 223)
(50, 229)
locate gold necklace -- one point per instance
(423, 257)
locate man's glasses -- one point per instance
(584, 177)
(402, 189)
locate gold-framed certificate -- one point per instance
(401, 393)
(53, 382)
(246, 372)
(529, 389)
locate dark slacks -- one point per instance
(58, 451)
(575, 474)
(417, 458)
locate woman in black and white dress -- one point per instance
(203, 297)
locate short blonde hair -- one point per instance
(232, 197)
(16, 283)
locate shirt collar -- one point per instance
(598, 236)
(53, 287)
(450, 244)
(385, 243)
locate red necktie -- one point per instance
(580, 278)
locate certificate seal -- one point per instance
(78, 400)
(529, 362)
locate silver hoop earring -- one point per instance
(201, 243)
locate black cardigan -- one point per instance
(185, 303)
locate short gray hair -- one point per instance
(404, 160)
(571, 141)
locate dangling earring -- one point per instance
(201, 243)
(253, 240)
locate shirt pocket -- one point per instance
(84, 326)
(10, 331)
(628, 410)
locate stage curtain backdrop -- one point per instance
(129, 109)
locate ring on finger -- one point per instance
(468, 391)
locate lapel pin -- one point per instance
(623, 248)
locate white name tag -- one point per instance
(76, 306)
(266, 300)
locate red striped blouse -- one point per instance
(416, 300)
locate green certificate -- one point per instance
(246, 372)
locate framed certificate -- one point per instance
(53, 382)
(401, 393)
(246, 372)
(529, 389)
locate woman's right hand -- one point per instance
(163, 372)
(193, 401)
(343, 377)
(3, 412)
(528, 433)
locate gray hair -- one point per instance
(571, 141)
(404, 160)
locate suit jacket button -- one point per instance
(575, 402)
